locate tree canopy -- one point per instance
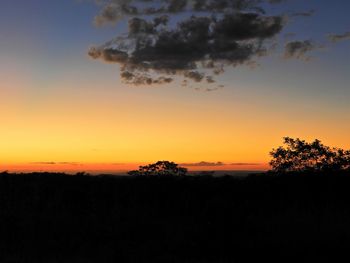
(298, 155)
(160, 168)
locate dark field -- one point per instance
(59, 218)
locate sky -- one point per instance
(62, 108)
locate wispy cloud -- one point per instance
(339, 37)
(55, 163)
(303, 13)
(203, 164)
(299, 49)
(245, 164)
(216, 164)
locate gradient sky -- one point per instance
(58, 105)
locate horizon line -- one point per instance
(53, 166)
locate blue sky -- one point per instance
(50, 31)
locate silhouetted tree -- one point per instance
(299, 155)
(160, 168)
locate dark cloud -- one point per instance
(164, 41)
(299, 49)
(339, 37)
(194, 75)
(210, 79)
(113, 11)
(109, 54)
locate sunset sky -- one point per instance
(62, 110)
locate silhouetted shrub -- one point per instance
(300, 156)
(160, 168)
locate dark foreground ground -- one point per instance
(55, 218)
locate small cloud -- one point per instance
(43, 163)
(210, 89)
(339, 37)
(55, 163)
(204, 164)
(243, 164)
(299, 49)
(304, 13)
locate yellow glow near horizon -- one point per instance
(92, 126)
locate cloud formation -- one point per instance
(194, 39)
(157, 47)
(299, 49)
(339, 37)
(112, 11)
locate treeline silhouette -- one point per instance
(164, 215)
(62, 218)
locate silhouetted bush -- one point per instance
(300, 156)
(160, 168)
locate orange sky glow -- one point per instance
(140, 126)
(62, 111)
